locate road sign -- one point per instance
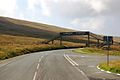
(73, 33)
(108, 40)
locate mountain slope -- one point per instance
(26, 28)
(18, 37)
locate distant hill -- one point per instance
(16, 27)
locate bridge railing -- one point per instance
(89, 36)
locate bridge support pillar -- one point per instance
(98, 42)
(52, 41)
(60, 40)
(88, 42)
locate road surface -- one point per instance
(55, 65)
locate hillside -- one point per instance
(16, 27)
(18, 37)
(26, 28)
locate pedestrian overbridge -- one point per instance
(89, 36)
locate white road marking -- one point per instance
(38, 66)
(40, 58)
(72, 60)
(74, 63)
(107, 71)
(69, 60)
(98, 67)
(82, 56)
(34, 77)
(102, 70)
(80, 71)
(118, 74)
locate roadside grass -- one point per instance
(97, 51)
(114, 66)
(89, 51)
(11, 46)
(12, 51)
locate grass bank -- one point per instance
(97, 51)
(114, 66)
(11, 46)
(16, 51)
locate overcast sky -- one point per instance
(98, 16)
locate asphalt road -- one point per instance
(55, 65)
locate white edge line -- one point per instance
(107, 71)
(118, 74)
(82, 56)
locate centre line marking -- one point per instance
(40, 58)
(38, 66)
(34, 77)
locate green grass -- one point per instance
(114, 66)
(89, 51)
(96, 51)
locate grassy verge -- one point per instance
(88, 51)
(96, 51)
(11, 46)
(114, 66)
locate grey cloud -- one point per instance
(70, 10)
(113, 7)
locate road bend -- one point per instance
(55, 65)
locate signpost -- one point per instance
(108, 40)
(75, 33)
